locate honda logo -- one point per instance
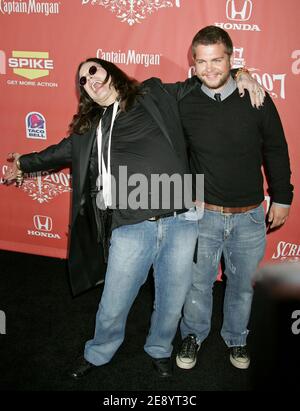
(42, 222)
(239, 10)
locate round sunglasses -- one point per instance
(92, 71)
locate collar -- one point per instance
(225, 91)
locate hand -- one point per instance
(256, 92)
(12, 173)
(277, 215)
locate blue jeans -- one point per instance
(242, 239)
(168, 244)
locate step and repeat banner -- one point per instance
(41, 45)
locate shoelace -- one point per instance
(240, 352)
(189, 346)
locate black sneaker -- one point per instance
(187, 355)
(239, 357)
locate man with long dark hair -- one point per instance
(147, 139)
(121, 123)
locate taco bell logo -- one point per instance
(35, 126)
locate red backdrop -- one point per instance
(41, 45)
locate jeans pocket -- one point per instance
(257, 215)
(193, 214)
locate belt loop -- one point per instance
(222, 210)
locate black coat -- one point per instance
(86, 261)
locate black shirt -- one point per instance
(229, 141)
(139, 147)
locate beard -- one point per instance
(215, 85)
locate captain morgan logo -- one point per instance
(29, 7)
(129, 57)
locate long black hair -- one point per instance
(89, 112)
